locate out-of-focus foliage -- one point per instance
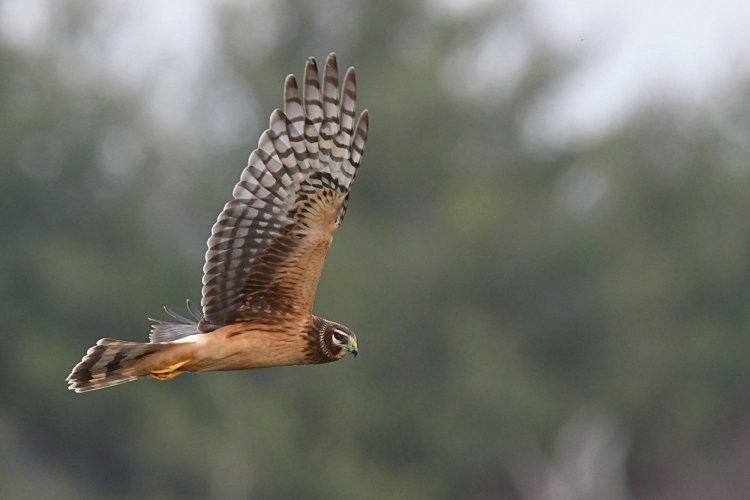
(498, 285)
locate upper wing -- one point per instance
(267, 248)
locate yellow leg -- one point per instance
(169, 372)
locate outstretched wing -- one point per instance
(267, 248)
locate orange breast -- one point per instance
(245, 346)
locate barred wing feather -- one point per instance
(268, 245)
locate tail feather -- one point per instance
(111, 362)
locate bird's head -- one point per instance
(339, 340)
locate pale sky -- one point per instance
(689, 49)
(693, 50)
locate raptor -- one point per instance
(265, 254)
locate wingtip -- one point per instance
(290, 81)
(276, 116)
(311, 65)
(332, 63)
(351, 75)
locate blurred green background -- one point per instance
(542, 315)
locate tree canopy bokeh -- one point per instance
(531, 316)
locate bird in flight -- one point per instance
(265, 253)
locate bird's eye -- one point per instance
(338, 336)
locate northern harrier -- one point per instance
(265, 253)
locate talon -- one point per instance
(169, 372)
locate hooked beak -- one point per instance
(354, 348)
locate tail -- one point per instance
(112, 362)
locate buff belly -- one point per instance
(232, 348)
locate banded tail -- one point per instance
(111, 362)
